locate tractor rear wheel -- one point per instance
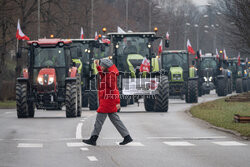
(149, 102)
(222, 87)
(162, 95)
(93, 97)
(192, 92)
(21, 100)
(239, 85)
(71, 100)
(31, 109)
(79, 97)
(245, 87)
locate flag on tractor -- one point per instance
(189, 48)
(19, 33)
(96, 36)
(217, 54)
(200, 52)
(167, 36)
(160, 48)
(120, 30)
(145, 66)
(105, 40)
(224, 54)
(81, 35)
(239, 59)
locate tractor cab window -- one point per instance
(133, 45)
(208, 63)
(102, 52)
(49, 57)
(175, 59)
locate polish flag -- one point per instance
(106, 41)
(145, 66)
(200, 52)
(189, 47)
(224, 54)
(19, 33)
(96, 36)
(81, 35)
(160, 48)
(217, 54)
(239, 59)
(167, 36)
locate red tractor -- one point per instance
(50, 81)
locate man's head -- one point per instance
(106, 63)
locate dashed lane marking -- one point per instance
(29, 145)
(183, 143)
(229, 143)
(84, 149)
(76, 144)
(134, 144)
(92, 158)
(79, 131)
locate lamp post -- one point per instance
(92, 17)
(38, 19)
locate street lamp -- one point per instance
(38, 19)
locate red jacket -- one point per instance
(109, 95)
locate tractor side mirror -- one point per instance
(167, 43)
(153, 55)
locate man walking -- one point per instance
(109, 102)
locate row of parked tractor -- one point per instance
(62, 72)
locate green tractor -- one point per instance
(139, 71)
(183, 80)
(84, 52)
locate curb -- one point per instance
(232, 132)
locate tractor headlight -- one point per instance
(40, 80)
(51, 80)
(210, 79)
(205, 78)
(149, 45)
(177, 77)
(116, 46)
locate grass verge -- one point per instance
(221, 114)
(7, 104)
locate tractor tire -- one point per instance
(79, 98)
(162, 95)
(123, 102)
(192, 92)
(93, 96)
(200, 92)
(71, 100)
(85, 100)
(229, 86)
(31, 109)
(131, 100)
(21, 100)
(245, 87)
(222, 87)
(149, 102)
(239, 85)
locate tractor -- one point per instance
(206, 66)
(50, 80)
(183, 80)
(139, 73)
(84, 52)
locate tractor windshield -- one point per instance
(102, 52)
(208, 63)
(84, 49)
(133, 45)
(49, 57)
(175, 59)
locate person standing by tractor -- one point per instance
(109, 100)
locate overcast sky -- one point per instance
(200, 2)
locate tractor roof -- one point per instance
(175, 51)
(82, 40)
(131, 33)
(53, 41)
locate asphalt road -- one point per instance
(172, 139)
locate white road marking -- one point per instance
(29, 145)
(182, 143)
(76, 144)
(190, 138)
(79, 131)
(134, 144)
(8, 112)
(229, 143)
(92, 158)
(84, 149)
(82, 120)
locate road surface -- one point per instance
(172, 139)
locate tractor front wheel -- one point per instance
(71, 100)
(239, 85)
(162, 95)
(222, 87)
(21, 100)
(192, 92)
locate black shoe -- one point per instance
(91, 141)
(127, 139)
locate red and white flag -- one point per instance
(145, 65)
(189, 48)
(167, 36)
(200, 53)
(19, 33)
(224, 54)
(239, 59)
(217, 54)
(160, 48)
(96, 36)
(104, 40)
(81, 35)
